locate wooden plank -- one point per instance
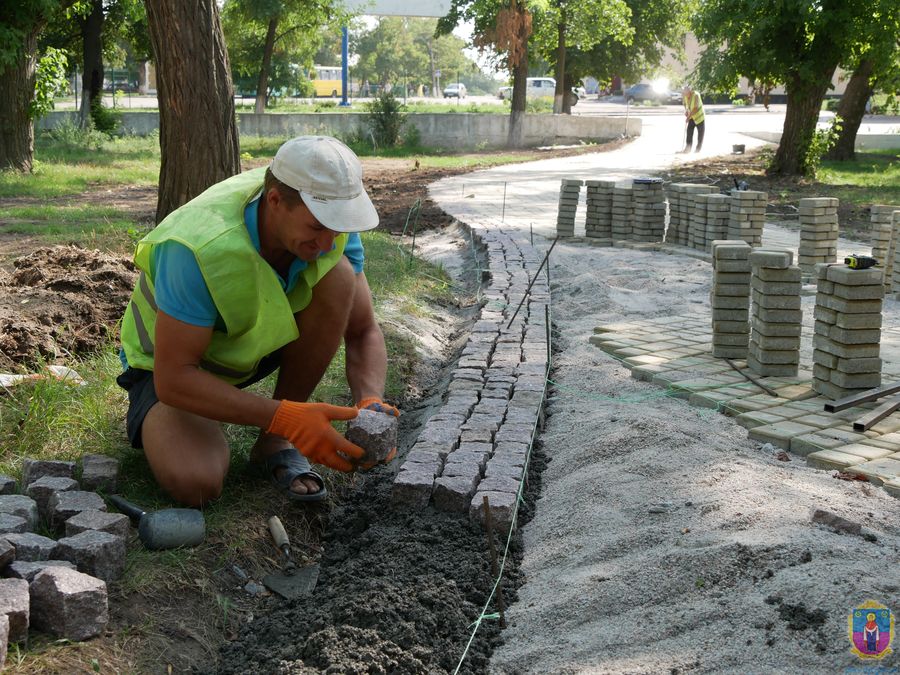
(864, 397)
(869, 420)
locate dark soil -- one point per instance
(59, 301)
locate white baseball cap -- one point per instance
(328, 176)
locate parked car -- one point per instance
(455, 90)
(646, 92)
(540, 86)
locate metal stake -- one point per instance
(531, 228)
(528, 290)
(489, 525)
(503, 214)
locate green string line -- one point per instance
(512, 526)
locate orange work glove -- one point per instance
(308, 427)
(376, 404)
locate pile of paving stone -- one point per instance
(598, 221)
(818, 233)
(477, 445)
(58, 586)
(622, 208)
(777, 318)
(648, 219)
(847, 340)
(730, 299)
(710, 221)
(682, 212)
(569, 192)
(884, 239)
(747, 216)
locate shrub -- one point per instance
(106, 120)
(386, 119)
(822, 141)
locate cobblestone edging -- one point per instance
(478, 442)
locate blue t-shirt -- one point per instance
(182, 293)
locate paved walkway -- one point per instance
(523, 197)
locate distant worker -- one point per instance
(694, 116)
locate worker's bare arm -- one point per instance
(364, 342)
(181, 383)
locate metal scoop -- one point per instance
(292, 582)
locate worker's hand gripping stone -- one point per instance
(308, 427)
(375, 429)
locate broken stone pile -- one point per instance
(747, 216)
(847, 340)
(569, 192)
(478, 442)
(777, 318)
(884, 240)
(621, 212)
(598, 221)
(59, 586)
(730, 299)
(818, 233)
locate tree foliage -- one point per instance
(564, 24)
(797, 42)
(405, 50)
(271, 42)
(654, 28)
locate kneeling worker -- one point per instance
(262, 271)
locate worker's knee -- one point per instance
(193, 487)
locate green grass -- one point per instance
(67, 165)
(102, 227)
(872, 178)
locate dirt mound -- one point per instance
(61, 300)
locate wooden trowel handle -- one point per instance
(279, 534)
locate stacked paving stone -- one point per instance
(847, 338)
(58, 586)
(895, 276)
(777, 317)
(682, 210)
(730, 299)
(884, 241)
(648, 220)
(718, 212)
(477, 444)
(747, 216)
(569, 192)
(622, 211)
(598, 221)
(818, 233)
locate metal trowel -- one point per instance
(292, 582)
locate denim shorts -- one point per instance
(142, 393)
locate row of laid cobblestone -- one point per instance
(478, 442)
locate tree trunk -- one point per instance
(559, 95)
(198, 131)
(804, 101)
(568, 83)
(851, 110)
(92, 61)
(262, 85)
(517, 105)
(519, 69)
(16, 127)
